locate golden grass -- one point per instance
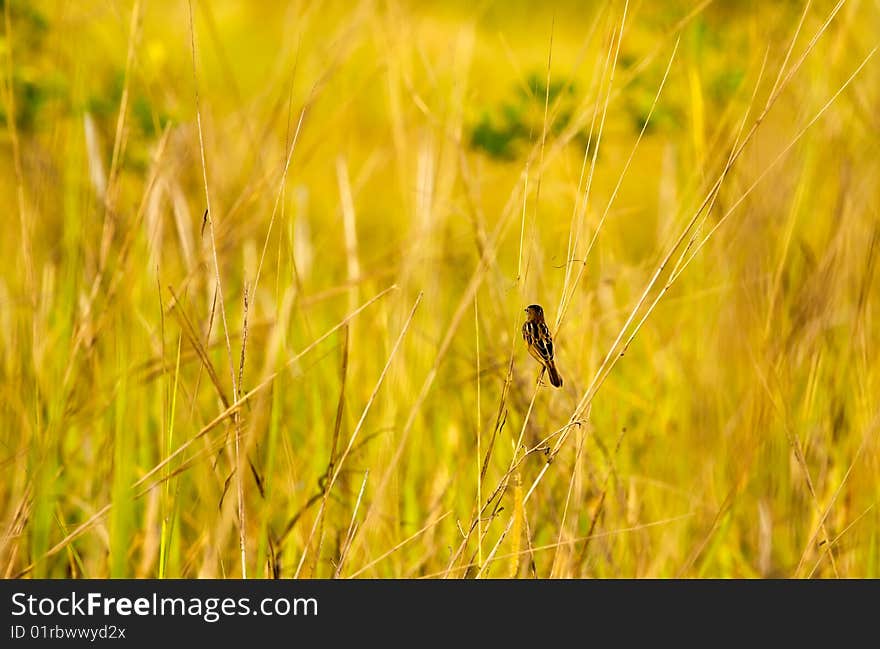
(262, 294)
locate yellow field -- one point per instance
(265, 264)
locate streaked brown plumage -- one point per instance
(540, 343)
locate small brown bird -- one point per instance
(540, 342)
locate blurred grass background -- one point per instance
(156, 424)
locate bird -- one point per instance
(539, 342)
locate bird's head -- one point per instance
(535, 313)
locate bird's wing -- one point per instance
(544, 342)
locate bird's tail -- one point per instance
(555, 379)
